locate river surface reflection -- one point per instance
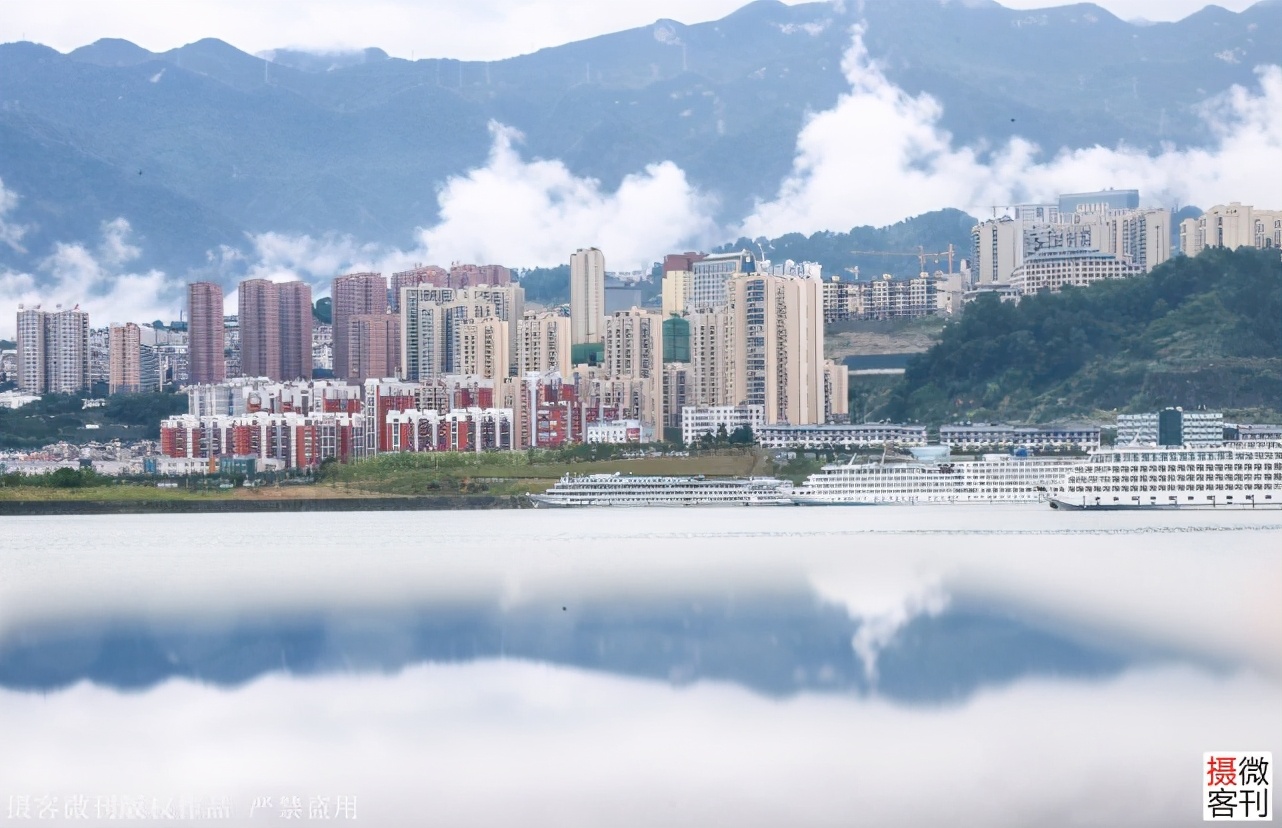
(895, 666)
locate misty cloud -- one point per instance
(880, 155)
(11, 232)
(97, 279)
(518, 212)
(537, 212)
(504, 743)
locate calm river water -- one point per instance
(882, 666)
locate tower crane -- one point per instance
(921, 255)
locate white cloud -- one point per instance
(537, 212)
(97, 280)
(281, 257)
(497, 743)
(881, 154)
(518, 212)
(11, 233)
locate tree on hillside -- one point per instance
(1105, 346)
(547, 285)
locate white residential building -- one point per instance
(1231, 225)
(707, 288)
(841, 436)
(53, 350)
(698, 420)
(1055, 269)
(618, 432)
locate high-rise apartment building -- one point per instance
(836, 392)
(430, 319)
(587, 296)
(53, 351)
(1138, 239)
(634, 350)
(149, 369)
(205, 334)
(419, 275)
(99, 356)
(482, 348)
(709, 277)
(1231, 225)
(423, 324)
(125, 348)
(258, 315)
(374, 349)
(678, 276)
(508, 301)
(67, 351)
(296, 325)
(711, 363)
(31, 350)
(778, 362)
(996, 250)
(544, 345)
(355, 294)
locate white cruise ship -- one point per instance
(1244, 475)
(640, 490)
(933, 478)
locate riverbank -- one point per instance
(275, 504)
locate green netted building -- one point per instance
(676, 339)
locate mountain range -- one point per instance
(203, 145)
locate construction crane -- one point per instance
(921, 255)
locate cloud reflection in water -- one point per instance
(1030, 667)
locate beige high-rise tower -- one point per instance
(53, 350)
(481, 348)
(587, 296)
(711, 358)
(31, 350)
(544, 344)
(124, 348)
(634, 350)
(777, 324)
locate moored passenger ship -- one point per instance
(646, 490)
(932, 478)
(1245, 475)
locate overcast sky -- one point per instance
(467, 29)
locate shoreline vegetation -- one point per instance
(394, 482)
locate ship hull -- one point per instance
(1069, 506)
(544, 502)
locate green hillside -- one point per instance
(1205, 331)
(891, 249)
